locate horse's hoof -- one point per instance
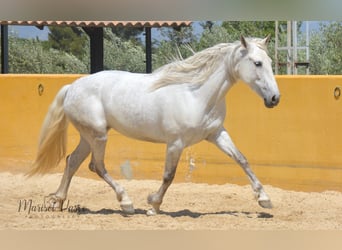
(265, 203)
(127, 208)
(127, 205)
(54, 202)
(151, 212)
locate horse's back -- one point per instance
(114, 99)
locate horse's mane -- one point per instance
(197, 68)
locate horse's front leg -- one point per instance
(173, 154)
(223, 141)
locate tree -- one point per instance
(67, 50)
(326, 49)
(207, 24)
(128, 33)
(173, 46)
(120, 54)
(213, 35)
(30, 56)
(179, 35)
(69, 39)
(249, 28)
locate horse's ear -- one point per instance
(243, 42)
(266, 40)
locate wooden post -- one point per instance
(148, 52)
(96, 48)
(4, 49)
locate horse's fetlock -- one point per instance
(153, 199)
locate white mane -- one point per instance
(194, 69)
(197, 68)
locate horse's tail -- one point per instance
(53, 137)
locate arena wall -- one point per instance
(296, 145)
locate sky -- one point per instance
(23, 31)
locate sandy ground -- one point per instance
(92, 205)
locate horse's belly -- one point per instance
(137, 133)
(136, 126)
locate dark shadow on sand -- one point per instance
(177, 214)
(188, 213)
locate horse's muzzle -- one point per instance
(272, 102)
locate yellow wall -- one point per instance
(297, 145)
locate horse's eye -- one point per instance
(258, 63)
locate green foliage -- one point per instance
(29, 56)
(174, 45)
(178, 36)
(69, 39)
(249, 28)
(127, 33)
(67, 50)
(122, 54)
(168, 52)
(326, 50)
(212, 36)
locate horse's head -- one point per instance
(254, 68)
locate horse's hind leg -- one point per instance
(91, 165)
(98, 145)
(222, 140)
(73, 162)
(173, 154)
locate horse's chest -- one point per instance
(199, 129)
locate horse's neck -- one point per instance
(216, 87)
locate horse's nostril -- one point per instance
(274, 99)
